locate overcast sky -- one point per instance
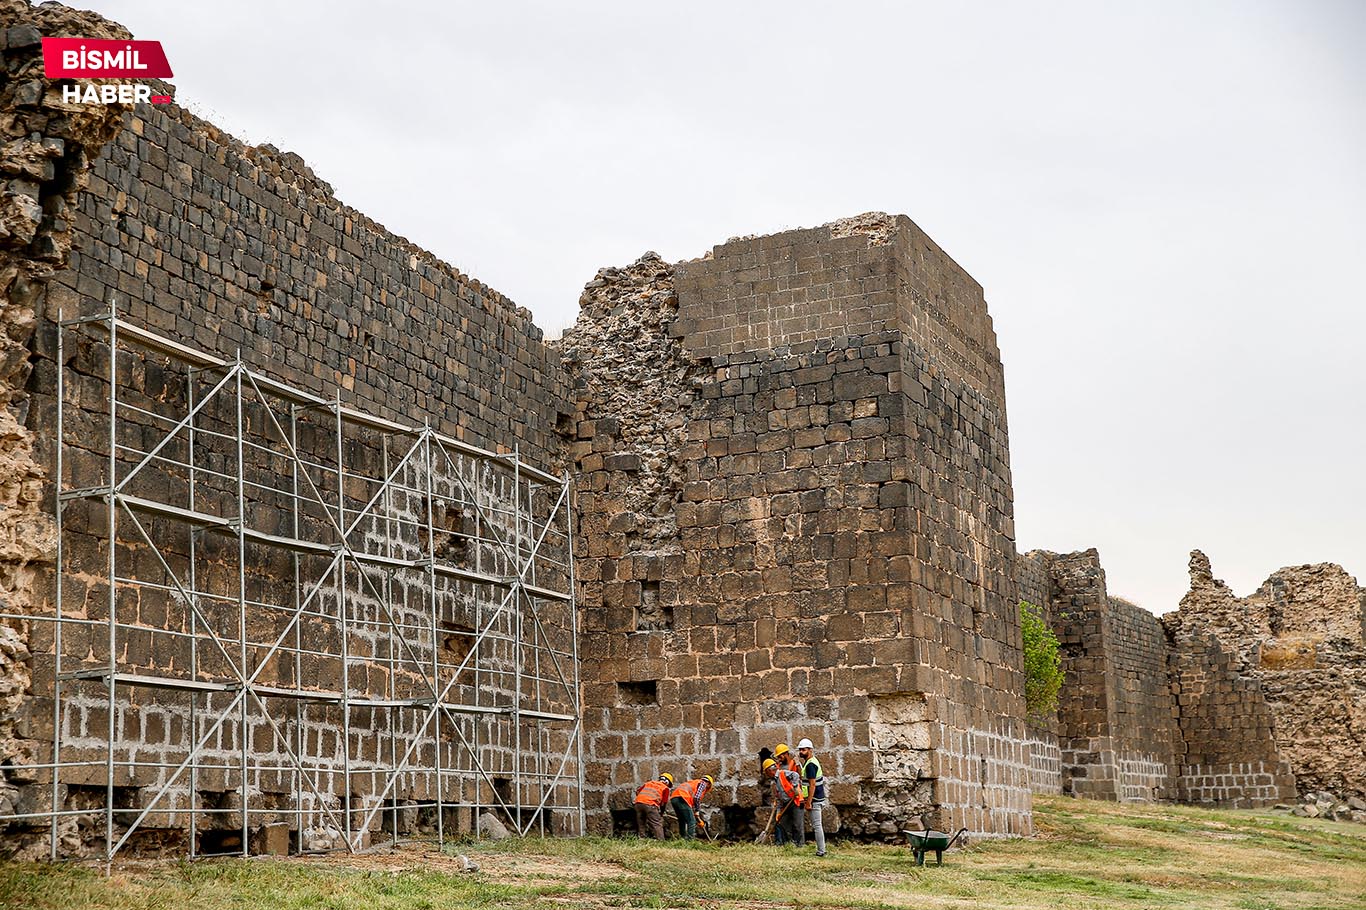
(1165, 201)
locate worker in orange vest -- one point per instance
(650, 799)
(685, 800)
(786, 797)
(783, 756)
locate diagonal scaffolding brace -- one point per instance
(409, 595)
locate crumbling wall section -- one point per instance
(1299, 637)
(1231, 752)
(46, 149)
(1033, 574)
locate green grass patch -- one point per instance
(1086, 855)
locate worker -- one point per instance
(686, 799)
(816, 800)
(786, 798)
(785, 760)
(650, 799)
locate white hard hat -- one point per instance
(805, 744)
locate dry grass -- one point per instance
(1087, 855)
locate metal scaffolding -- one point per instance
(275, 615)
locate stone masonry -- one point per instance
(796, 521)
(223, 247)
(1301, 637)
(1228, 700)
(793, 507)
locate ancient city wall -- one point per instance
(228, 248)
(1299, 640)
(826, 548)
(1165, 708)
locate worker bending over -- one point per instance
(786, 798)
(785, 760)
(685, 800)
(650, 799)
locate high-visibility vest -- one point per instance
(653, 793)
(817, 784)
(691, 792)
(787, 784)
(796, 769)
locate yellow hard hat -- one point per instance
(666, 776)
(782, 748)
(709, 779)
(769, 763)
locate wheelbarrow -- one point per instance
(922, 842)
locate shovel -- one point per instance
(772, 820)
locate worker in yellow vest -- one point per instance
(685, 800)
(816, 800)
(650, 799)
(783, 756)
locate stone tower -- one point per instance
(796, 520)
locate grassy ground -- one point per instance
(1087, 855)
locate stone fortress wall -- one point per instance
(226, 248)
(1226, 701)
(797, 522)
(792, 489)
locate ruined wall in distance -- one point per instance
(1116, 730)
(1299, 638)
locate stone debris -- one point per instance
(1322, 804)
(492, 827)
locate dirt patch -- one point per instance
(500, 867)
(534, 870)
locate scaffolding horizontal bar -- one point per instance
(150, 682)
(149, 340)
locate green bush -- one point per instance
(1042, 663)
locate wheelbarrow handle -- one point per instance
(961, 832)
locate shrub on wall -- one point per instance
(1042, 664)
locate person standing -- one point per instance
(685, 800)
(816, 799)
(785, 760)
(786, 799)
(650, 799)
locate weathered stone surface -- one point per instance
(492, 827)
(1232, 701)
(224, 247)
(795, 511)
(1301, 637)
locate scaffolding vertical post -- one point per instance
(436, 640)
(190, 608)
(299, 732)
(386, 492)
(343, 616)
(518, 598)
(113, 575)
(57, 596)
(243, 735)
(476, 723)
(574, 644)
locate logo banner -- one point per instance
(97, 58)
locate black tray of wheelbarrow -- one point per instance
(922, 842)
